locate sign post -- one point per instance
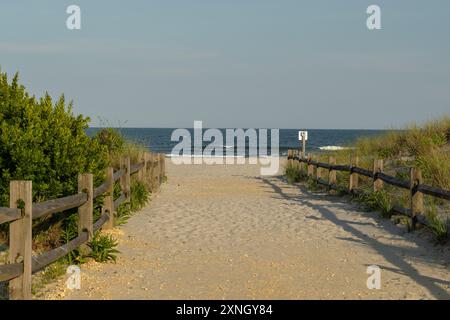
(303, 136)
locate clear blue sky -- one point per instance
(235, 63)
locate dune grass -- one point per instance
(426, 147)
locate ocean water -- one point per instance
(159, 139)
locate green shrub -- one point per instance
(294, 174)
(112, 139)
(427, 145)
(44, 142)
(312, 185)
(103, 247)
(70, 232)
(139, 195)
(378, 200)
(122, 214)
(436, 225)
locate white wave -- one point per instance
(334, 148)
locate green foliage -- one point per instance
(427, 145)
(122, 214)
(378, 200)
(139, 195)
(71, 232)
(103, 248)
(436, 225)
(139, 198)
(44, 142)
(112, 139)
(294, 174)
(312, 185)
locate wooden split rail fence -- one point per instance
(414, 185)
(22, 211)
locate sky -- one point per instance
(235, 63)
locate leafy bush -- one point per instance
(139, 195)
(44, 142)
(436, 225)
(378, 200)
(122, 214)
(112, 139)
(294, 174)
(103, 248)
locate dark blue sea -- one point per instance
(159, 139)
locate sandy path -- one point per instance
(224, 232)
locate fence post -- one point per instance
(354, 178)
(125, 180)
(332, 175)
(85, 212)
(416, 196)
(145, 168)
(290, 161)
(310, 166)
(108, 201)
(148, 169)
(156, 170)
(163, 167)
(296, 164)
(141, 172)
(377, 167)
(151, 175)
(20, 238)
(318, 171)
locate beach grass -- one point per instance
(426, 147)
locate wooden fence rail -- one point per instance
(415, 184)
(21, 263)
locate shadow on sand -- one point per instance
(391, 253)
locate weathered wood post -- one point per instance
(85, 211)
(354, 177)
(148, 169)
(152, 166)
(163, 167)
(415, 195)
(296, 163)
(20, 238)
(318, 171)
(145, 168)
(160, 174)
(125, 180)
(310, 166)
(377, 167)
(108, 201)
(290, 162)
(332, 174)
(156, 170)
(141, 172)
(300, 164)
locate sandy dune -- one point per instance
(224, 232)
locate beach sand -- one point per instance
(225, 232)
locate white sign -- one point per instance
(301, 134)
